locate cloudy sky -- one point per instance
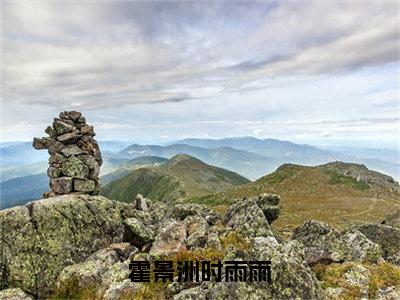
(314, 72)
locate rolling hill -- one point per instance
(335, 193)
(180, 177)
(248, 164)
(281, 152)
(125, 168)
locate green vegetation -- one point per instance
(314, 193)
(153, 185)
(337, 178)
(180, 177)
(381, 275)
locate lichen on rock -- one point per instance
(75, 158)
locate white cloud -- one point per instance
(215, 69)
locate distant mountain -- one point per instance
(126, 167)
(7, 173)
(18, 191)
(384, 155)
(21, 189)
(282, 152)
(248, 164)
(180, 177)
(113, 146)
(20, 154)
(269, 147)
(333, 193)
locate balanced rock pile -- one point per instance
(75, 157)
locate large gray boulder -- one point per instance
(324, 244)
(40, 239)
(246, 217)
(387, 237)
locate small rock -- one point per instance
(195, 293)
(39, 144)
(123, 249)
(81, 120)
(213, 241)
(69, 137)
(86, 129)
(74, 115)
(71, 150)
(61, 126)
(121, 290)
(197, 232)
(56, 160)
(389, 293)
(61, 185)
(84, 185)
(14, 294)
(51, 132)
(74, 167)
(170, 239)
(140, 203)
(53, 172)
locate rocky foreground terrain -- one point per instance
(80, 246)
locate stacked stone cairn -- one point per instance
(75, 157)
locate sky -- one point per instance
(319, 72)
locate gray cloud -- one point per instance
(98, 55)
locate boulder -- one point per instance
(137, 233)
(140, 203)
(14, 294)
(197, 230)
(169, 240)
(94, 277)
(324, 244)
(269, 203)
(181, 211)
(246, 217)
(41, 238)
(392, 220)
(387, 237)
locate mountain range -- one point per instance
(181, 176)
(250, 157)
(335, 193)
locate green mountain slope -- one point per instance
(334, 193)
(125, 168)
(18, 191)
(248, 164)
(180, 177)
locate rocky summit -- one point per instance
(75, 158)
(75, 244)
(80, 246)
